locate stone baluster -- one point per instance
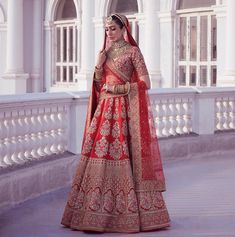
(167, 123)
(160, 123)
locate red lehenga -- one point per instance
(119, 181)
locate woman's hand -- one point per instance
(108, 87)
(101, 59)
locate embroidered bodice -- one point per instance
(126, 58)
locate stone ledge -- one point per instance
(193, 145)
(19, 185)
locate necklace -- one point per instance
(117, 48)
(119, 44)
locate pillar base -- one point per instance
(84, 80)
(156, 79)
(228, 79)
(12, 83)
(36, 85)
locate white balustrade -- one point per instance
(33, 126)
(41, 124)
(172, 110)
(225, 113)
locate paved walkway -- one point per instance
(200, 197)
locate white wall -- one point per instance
(3, 36)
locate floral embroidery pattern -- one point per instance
(129, 58)
(93, 126)
(146, 200)
(116, 130)
(115, 149)
(95, 199)
(116, 112)
(98, 111)
(124, 128)
(125, 148)
(109, 201)
(121, 204)
(101, 148)
(105, 129)
(114, 197)
(87, 144)
(132, 202)
(123, 113)
(108, 113)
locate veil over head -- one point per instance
(127, 36)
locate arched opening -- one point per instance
(124, 7)
(197, 33)
(128, 8)
(2, 18)
(66, 10)
(65, 44)
(185, 4)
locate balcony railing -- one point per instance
(33, 126)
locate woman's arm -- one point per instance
(140, 67)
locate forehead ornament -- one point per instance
(109, 20)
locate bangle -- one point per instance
(122, 89)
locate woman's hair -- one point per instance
(117, 21)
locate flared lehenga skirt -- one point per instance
(103, 196)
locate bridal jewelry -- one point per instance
(117, 48)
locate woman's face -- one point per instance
(113, 31)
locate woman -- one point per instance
(119, 181)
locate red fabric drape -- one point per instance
(151, 165)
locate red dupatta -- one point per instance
(146, 160)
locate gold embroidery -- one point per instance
(121, 204)
(116, 113)
(115, 149)
(105, 128)
(125, 59)
(117, 49)
(101, 148)
(111, 198)
(125, 148)
(95, 199)
(124, 128)
(132, 202)
(98, 111)
(109, 201)
(108, 113)
(93, 126)
(145, 200)
(123, 113)
(87, 146)
(116, 130)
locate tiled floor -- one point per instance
(200, 197)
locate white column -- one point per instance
(140, 17)
(14, 80)
(220, 12)
(167, 48)
(229, 75)
(204, 107)
(99, 34)
(87, 46)
(152, 42)
(76, 129)
(48, 56)
(36, 75)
